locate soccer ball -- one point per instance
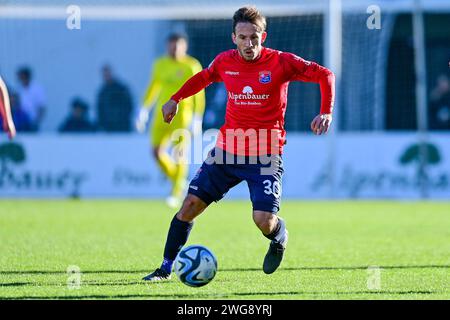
(195, 266)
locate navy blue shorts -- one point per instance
(222, 171)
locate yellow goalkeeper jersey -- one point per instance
(168, 75)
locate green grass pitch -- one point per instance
(331, 245)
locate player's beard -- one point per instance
(249, 56)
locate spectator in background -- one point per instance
(32, 97)
(78, 119)
(21, 119)
(440, 104)
(114, 104)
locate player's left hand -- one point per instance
(321, 123)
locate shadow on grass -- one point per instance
(96, 283)
(344, 268)
(144, 272)
(15, 284)
(221, 296)
(84, 283)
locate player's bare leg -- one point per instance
(273, 228)
(191, 208)
(266, 221)
(178, 234)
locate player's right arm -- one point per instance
(5, 111)
(192, 86)
(151, 94)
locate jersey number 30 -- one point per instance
(272, 188)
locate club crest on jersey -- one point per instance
(265, 77)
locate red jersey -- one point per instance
(257, 97)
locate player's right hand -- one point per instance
(169, 110)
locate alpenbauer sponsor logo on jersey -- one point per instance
(247, 97)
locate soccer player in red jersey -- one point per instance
(5, 111)
(256, 79)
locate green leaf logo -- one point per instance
(412, 154)
(12, 152)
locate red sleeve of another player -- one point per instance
(302, 70)
(2, 108)
(198, 82)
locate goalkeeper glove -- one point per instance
(196, 125)
(142, 119)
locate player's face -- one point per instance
(177, 48)
(248, 40)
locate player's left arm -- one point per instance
(309, 71)
(5, 111)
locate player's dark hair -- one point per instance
(250, 14)
(176, 37)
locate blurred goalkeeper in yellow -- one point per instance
(169, 73)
